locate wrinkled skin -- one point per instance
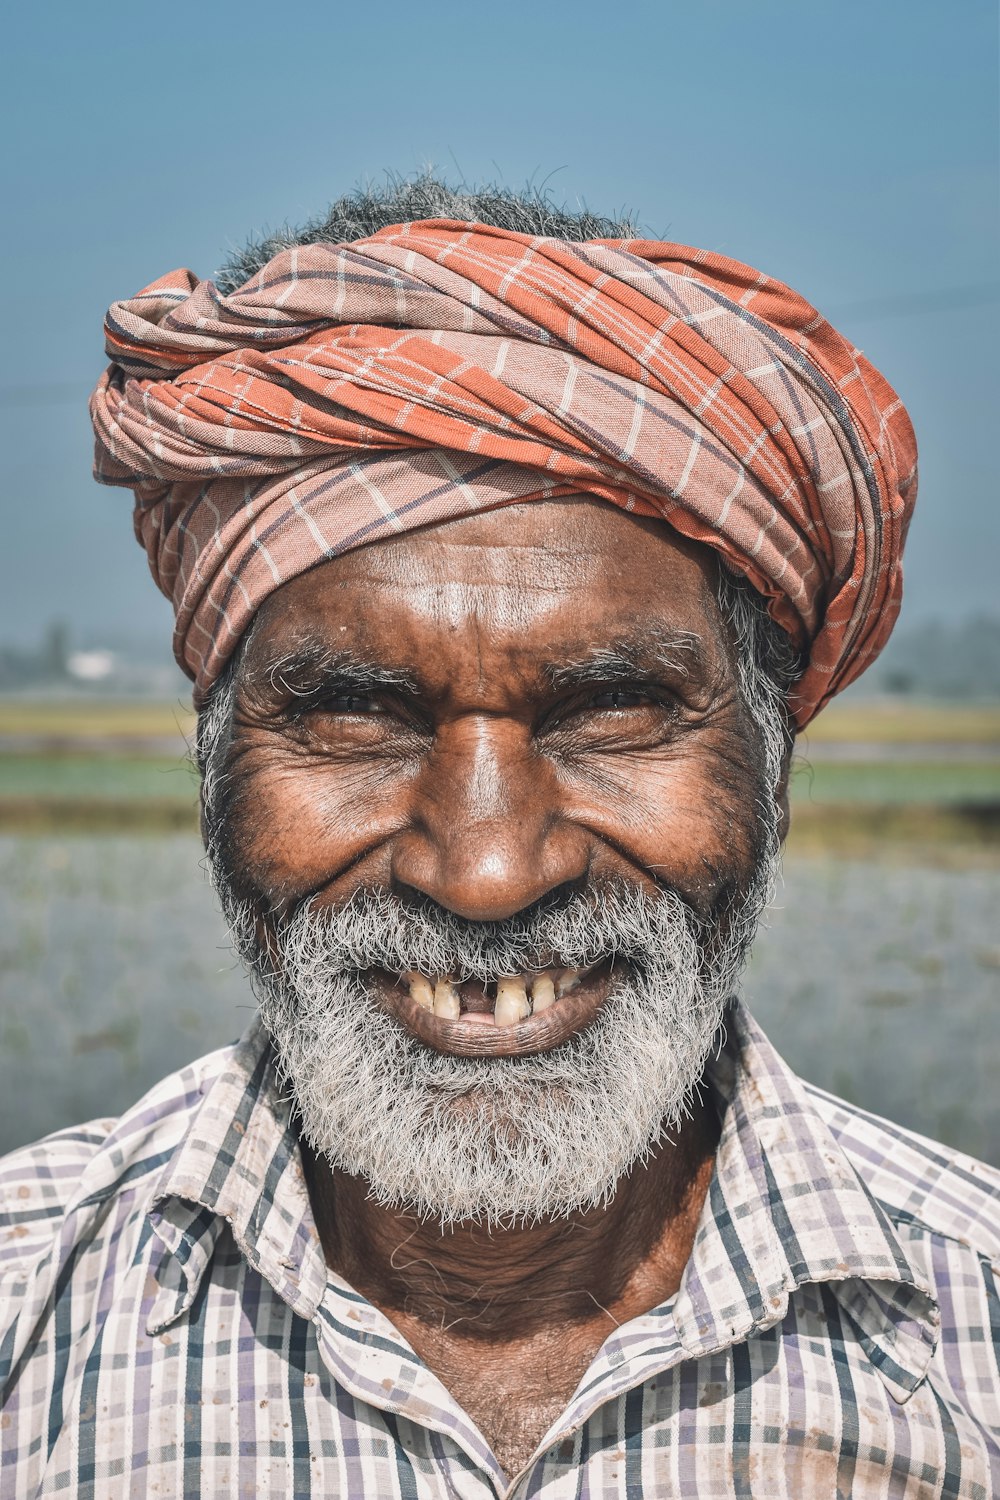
(489, 780)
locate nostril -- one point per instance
(475, 903)
(490, 873)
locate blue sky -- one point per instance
(850, 149)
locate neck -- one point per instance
(609, 1263)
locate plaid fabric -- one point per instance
(349, 392)
(169, 1326)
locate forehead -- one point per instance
(546, 577)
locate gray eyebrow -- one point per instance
(311, 668)
(676, 652)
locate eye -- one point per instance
(348, 703)
(619, 698)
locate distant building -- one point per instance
(56, 668)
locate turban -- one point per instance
(346, 393)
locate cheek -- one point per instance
(299, 822)
(690, 818)
(295, 822)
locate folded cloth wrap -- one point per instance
(349, 392)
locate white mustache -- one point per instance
(375, 930)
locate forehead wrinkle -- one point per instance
(554, 565)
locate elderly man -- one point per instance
(506, 564)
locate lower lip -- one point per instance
(477, 1035)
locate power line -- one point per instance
(914, 304)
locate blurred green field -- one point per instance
(75, 776)
(870, 721)
(864, 775)
(904, 722)
(891, 782)
(93, 718)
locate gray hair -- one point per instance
(402, 201)
(768, 666)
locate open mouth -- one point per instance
(500, 1002)
(514, 1014)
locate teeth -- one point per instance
(446, 1002)
(512, 1002)
(543, 993)
(568, 980)
(421, 990)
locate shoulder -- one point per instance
(917, 1181)
(79, 1174)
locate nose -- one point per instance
(487, 836)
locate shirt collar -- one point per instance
(239, 1164)
(785, 1208)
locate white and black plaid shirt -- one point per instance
(168, 1325)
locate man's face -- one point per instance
(465, 762)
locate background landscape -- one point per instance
(878, 974)
(850, 150)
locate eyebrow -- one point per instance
(311, 669)
(677, 653)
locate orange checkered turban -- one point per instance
(349, 392)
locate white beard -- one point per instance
(496, 1140)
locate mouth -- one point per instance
(515, 1015)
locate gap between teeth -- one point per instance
(517, 998)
